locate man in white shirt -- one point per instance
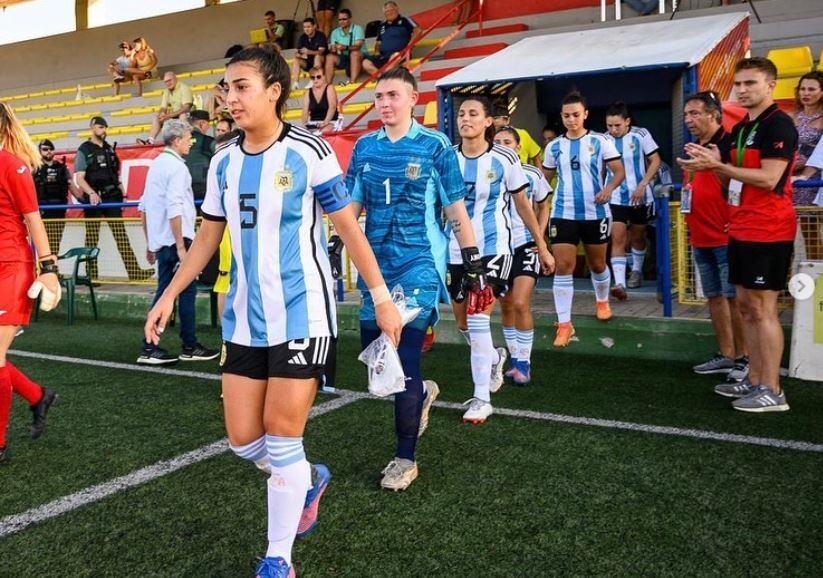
(167, 208)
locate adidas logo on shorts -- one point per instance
(298, 359)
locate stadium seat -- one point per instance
(430, 116)
(820, 61)
(785, 88)
(791, 62)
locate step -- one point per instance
(438, 73)
(482, 50)
(493, 30)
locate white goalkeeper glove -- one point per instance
(48, 299)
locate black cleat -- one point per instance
(40, 409)
(5, 456)
(198, 353)
(156, 356)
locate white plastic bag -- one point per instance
(386, 375)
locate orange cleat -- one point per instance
(565, 331)
(604, 311)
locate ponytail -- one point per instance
(15, 139)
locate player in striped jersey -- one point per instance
(404, 175)
(268, 186)
(494, 178)
(632, 203)
(518, 322)
(581, 210)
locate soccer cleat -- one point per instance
(198, 353)
(734, 389)
(604, 310)
(39, 411)
(619, 292)
(5, 457)
(635, 280)
(320, 477)
(478, 411)
(496, 381)
(762, 399)
(274, 568)
(432, 391)
(717, 364)
(512, 367)
(740, 370)
(398, 475)
(522, 373)
(428, 340)
(156, 356)
(565, 332)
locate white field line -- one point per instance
(536, 415)
(17, 522)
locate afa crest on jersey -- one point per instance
(412, 171)
(491, 175)
(283, 181)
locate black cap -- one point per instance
(99, 120)
(199, 115)
(46, 143)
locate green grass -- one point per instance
(514, 497)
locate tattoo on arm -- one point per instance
(455, 223)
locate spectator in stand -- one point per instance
(345, 48)
(311, 51)
(199, 156)
(223, 127)
(274, 30)
(704, 204)
(549, 133)
(118, 67)
(177, 101)
(214, 101)
(762, 226)
(319, 103)
(144, 63)
(808, 118)
(396, 33)
(325, 14)
(167, 208)
(529, 152)
(53, 182)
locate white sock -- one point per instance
(600, 282)
(256, 452)
(510, 334)
(563, 290)
(525, 339)
(619, 268)
(466, 336)
(637, 259)
(483, 354)
(287, 487)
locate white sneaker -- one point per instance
(478, 410)
(398, 475)
(432, 391)
(497, 371)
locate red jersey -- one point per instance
(17, 197)
(764, 215)
(709, 217)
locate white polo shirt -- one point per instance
(167, 195)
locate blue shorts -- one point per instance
(713, 266)
(427, 300)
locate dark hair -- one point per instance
(757, 63)
(574, 97)
(399, 73)
(815, 75)
(487, 109)
(309, 20)
(511, 131)
(345, 11)
(710, 100)
(270, 13)
(272, 67)
(618, 108)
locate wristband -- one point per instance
(380, 294)
(471, 260)
(48, 267)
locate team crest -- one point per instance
(591, 149)
(283, 181)
(491, 176)
(412, 171)
(632, 146)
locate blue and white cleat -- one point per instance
(274, 568)
(522, 373)
(320, 476)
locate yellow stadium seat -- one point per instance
(36, 94)
(430, 42)
(257, 36)
(785, 88)
(430, 116)
(51, 92)
(820, 61)
(38, 107)
(790, 62)
(153, 93)
(124, 112)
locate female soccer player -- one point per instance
(404, 175)
(19, 219)
(494, 178)
(279, 328)
(518, 322)
(581, 210)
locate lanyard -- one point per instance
(741, 142)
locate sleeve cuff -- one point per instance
(216, 218)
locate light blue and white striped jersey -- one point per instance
(280, 280)
(490, 180)
(580, 169)
(537, 191)
(634, 147)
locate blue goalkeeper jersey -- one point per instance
(403, 187)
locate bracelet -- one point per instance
(380, 294)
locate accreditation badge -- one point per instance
(283, 181)
(686, 199)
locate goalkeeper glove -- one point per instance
(48, 299)
(474, 285)
(335, 248)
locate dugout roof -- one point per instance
(643, 46)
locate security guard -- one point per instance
(199, 157)
(97, 170)
(52, 180)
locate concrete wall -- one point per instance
(183, 37)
